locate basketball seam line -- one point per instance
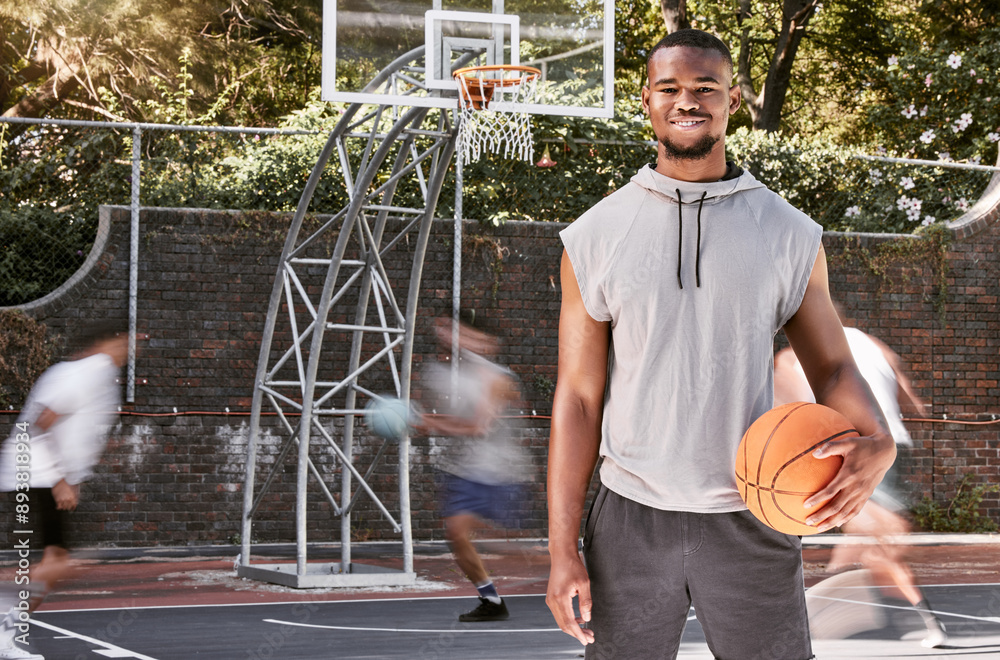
(760, 503)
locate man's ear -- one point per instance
(735, 99)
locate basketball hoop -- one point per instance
(489, 121)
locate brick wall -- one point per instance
(205, 278)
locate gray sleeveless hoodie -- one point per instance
(695, 279)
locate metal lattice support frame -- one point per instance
(396, 148)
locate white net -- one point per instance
(489, 121)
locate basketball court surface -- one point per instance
(187, 603)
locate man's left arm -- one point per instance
(817, 337)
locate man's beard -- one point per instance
(697, 151)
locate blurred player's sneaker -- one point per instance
(11, 651)
(936, 635)
(486, 611)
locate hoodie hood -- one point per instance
(694, 195)
(653, 181)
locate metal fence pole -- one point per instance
(456, 280)
(133, 264)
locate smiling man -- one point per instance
(672, 291)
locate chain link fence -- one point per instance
(55, 174)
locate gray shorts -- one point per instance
(648, 566)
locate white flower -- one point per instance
(962, 204)
(954, 60)
(962, 123)
(993, 137)
(875, 173)
(910, 112)
(907, 183)
(923, 111)
(893, 60)
(911, 205)
(854, 210)
(945, 156)
(928, 220)
(927, 137)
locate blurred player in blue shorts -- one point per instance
(481, 466)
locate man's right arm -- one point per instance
(577, 411)
(66, 495)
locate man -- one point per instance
(482, 466)
(673, 289)
(880, 518)
(54, 446)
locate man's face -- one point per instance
(689, 98)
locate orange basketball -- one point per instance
(775, 468)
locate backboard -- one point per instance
(570, 41)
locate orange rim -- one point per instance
(497, 82)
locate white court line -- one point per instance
(286, 602)
(922, 586)
(988, 619)
(435, 631)
(117, 651)
(318, 601)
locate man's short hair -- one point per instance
(100, 331)
(694, 39)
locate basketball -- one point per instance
(775, 469)
(388, 417)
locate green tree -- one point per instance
(60, 52)
(846, 40)
(245, 60)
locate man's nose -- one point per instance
(687, 100)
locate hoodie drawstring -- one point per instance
(680, 241)
(680, 238)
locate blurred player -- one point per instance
(482, 467)
(881, 518)
(64, 426)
